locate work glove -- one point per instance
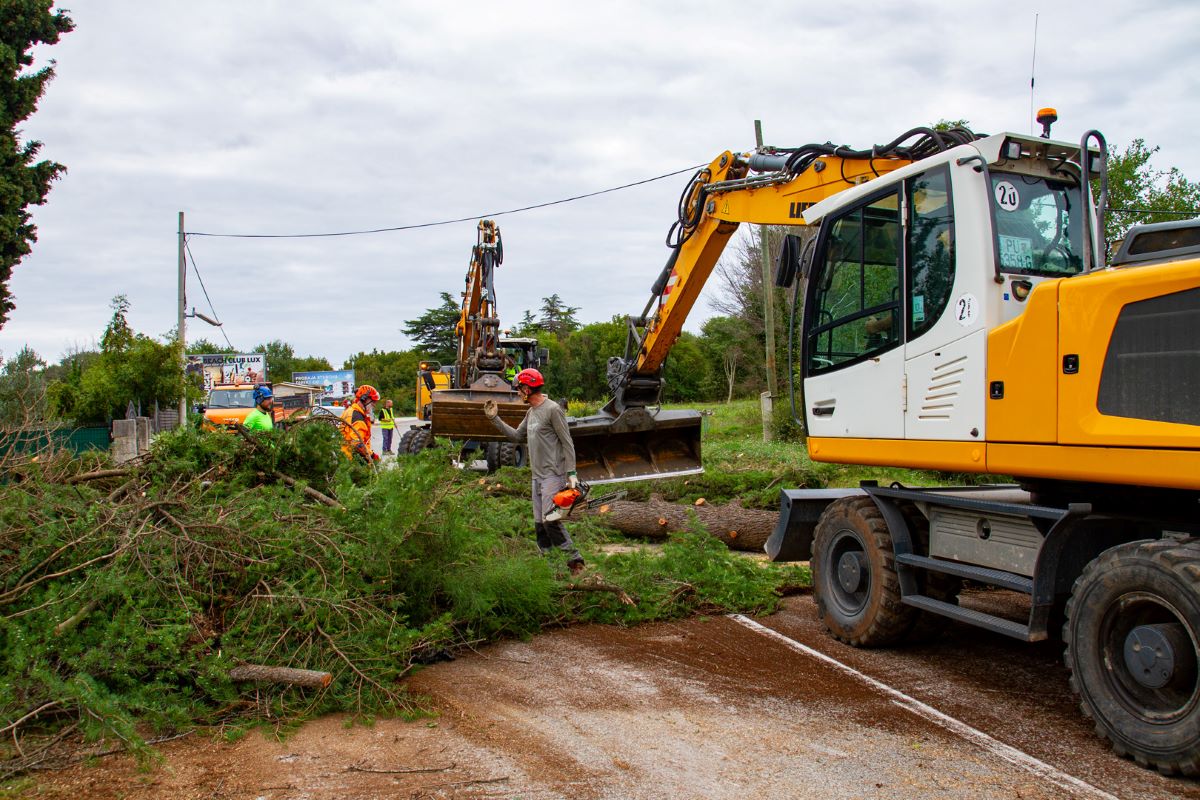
(490, 409)
(572, 480)
(374, 456)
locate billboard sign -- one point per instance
(336, 384)
(227, 368)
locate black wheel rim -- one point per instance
(1162, 699)
(848, 573)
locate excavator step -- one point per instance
(978, 619)
(993, 577)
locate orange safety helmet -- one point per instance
(531, 378)
(366, 394)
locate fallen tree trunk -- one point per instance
(295, 677)
(739, 528)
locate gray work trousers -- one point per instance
(551, 534)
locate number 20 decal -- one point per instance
(1006, 196)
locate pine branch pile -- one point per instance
(128, 596)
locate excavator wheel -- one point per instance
(512, 455)
(491, 452)
(854, 575)
(504, 454)
(1132, 632)
(405, 440)
(422, 438)
(938, 585)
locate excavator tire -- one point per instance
(512, 454)
(1132, 624)
(491, 453)
(854, 575)
(937, 585)
(402, 446)
(422, 438)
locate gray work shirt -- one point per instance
(551, 451)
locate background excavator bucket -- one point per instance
(636, 445)
(458, 413)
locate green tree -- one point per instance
(207, 347)
(392, 373)
(528, 326)
(1135, 186)
(131, 368)
(723, 341)
(578, 363)
(433, 331)
(558, 317)
(23, 24)
(22, 389)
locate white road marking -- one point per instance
(994, 746)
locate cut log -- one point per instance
(295, 677)
(739, 528)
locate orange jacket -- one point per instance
(356, 431)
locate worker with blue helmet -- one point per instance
(261, 418)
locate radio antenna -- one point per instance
(1033, 73)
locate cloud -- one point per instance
(306, 116)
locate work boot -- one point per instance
(576, 566)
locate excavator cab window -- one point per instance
(1039, 225)
(857, 303)
(930, 249)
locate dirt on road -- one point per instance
(705, 708)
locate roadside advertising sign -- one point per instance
(337, 384)
(227, 368)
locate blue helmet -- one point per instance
(262, 393)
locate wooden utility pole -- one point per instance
(768, 397)
(180, 329)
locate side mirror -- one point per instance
(789, 261)
(543, 355)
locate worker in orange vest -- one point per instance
(357, 428)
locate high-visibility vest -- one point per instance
(387, 419)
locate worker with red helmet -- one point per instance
(551, 456)
(357, 430)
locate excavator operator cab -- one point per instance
(911, 270)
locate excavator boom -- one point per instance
(633, 438)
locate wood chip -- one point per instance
(700, 501)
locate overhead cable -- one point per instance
(216, 316)
(470, 218)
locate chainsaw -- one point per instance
(566, 501)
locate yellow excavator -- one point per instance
(953, 309)
(450, 398)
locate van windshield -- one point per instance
(1039, 225)
(231, 398)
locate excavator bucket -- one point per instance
(458, 413)
(636, 445)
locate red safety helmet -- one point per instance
(531, 378)
(366, 394)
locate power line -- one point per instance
(216, 316)
(471, 218)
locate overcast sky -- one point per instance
(309, 116)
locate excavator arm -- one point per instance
(478, 325)
(632, 439)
